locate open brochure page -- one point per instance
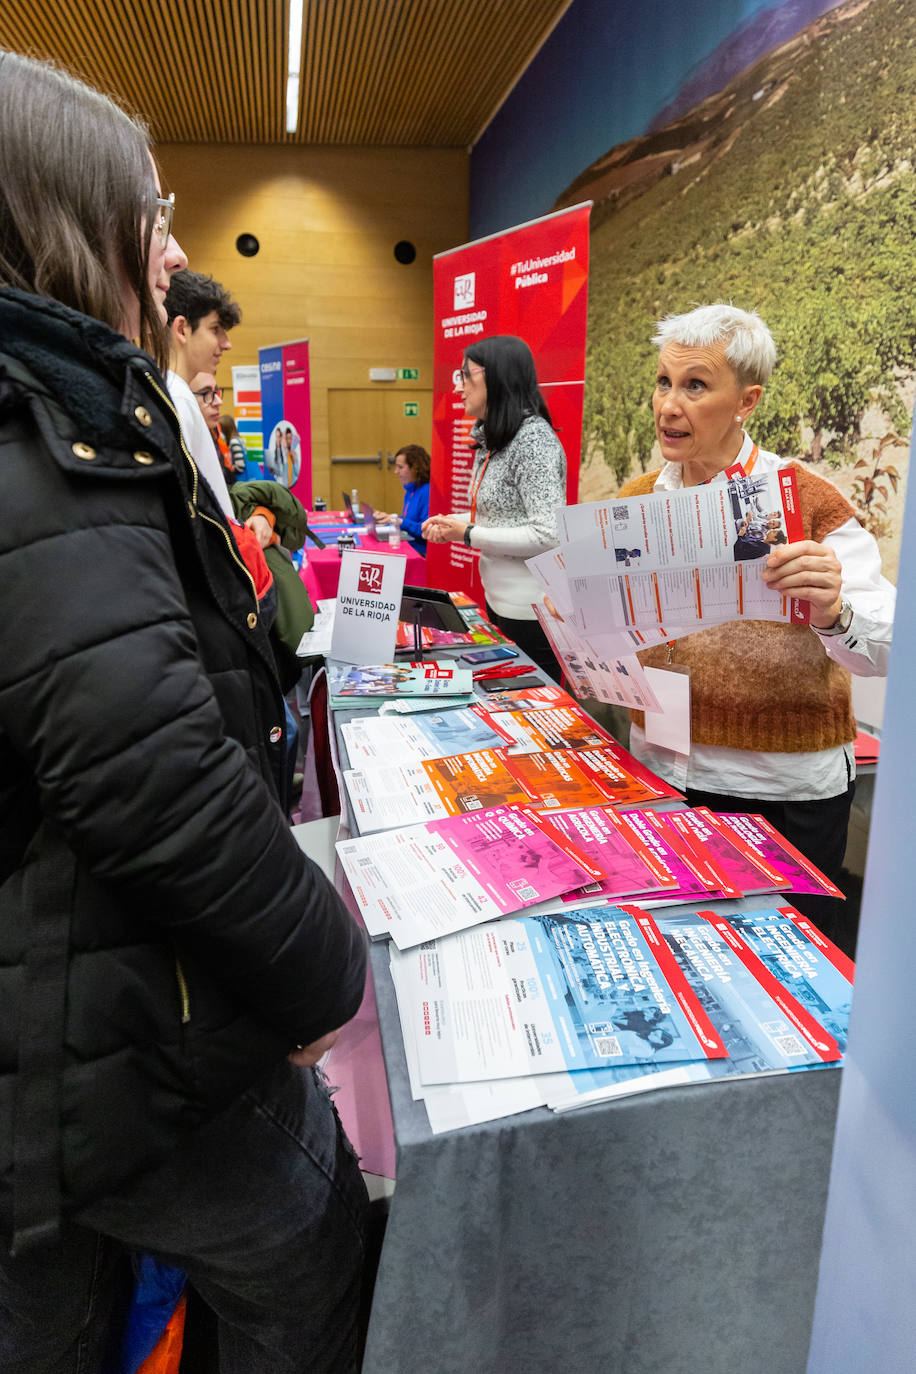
(431, 789)
(606, 673)
(697, 874)
(429, 880)
(689, 557)
(410, 706)
(746, 870)
(452, 1105)
(382, 798)
(567, 635)
(765, 1029)
(535, 995)
(630, 864)
(556, 727)
(613, 750)
(767, 843)
(527, 698)
(818, 975)
(623, 787)
(562, 779)
(386, 680)
(430, 735)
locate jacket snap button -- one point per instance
(144, 458)
(83, 451)
(143, 416)
(252, 620)
(275, 735)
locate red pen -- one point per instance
(505, 670)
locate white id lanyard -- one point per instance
(669, 728)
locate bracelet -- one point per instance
(467, 534)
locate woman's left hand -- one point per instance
(809, 571)
(444, 529)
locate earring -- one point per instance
(740, 419)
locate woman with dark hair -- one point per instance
(171, 964)
(411, 466)
(518, 481)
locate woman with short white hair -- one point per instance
(772, 727)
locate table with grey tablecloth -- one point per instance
(674, 1232)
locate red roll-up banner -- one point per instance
(531, 281)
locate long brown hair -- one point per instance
(77, 196)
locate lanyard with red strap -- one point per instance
(476, 487)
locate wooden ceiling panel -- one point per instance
(415, 73)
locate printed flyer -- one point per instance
(681, 557)
(764, 1028)
(540, 994)
(430, 880)
(403, 794)
(431, 735)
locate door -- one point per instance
(366, 429)
(408, 420)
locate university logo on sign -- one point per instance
(370, 578)
(464, 291)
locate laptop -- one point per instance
(367, 522)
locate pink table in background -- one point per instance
(321, 572)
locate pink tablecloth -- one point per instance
(322, 572)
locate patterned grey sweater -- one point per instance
(517, 500)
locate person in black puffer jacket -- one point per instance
(171, 964)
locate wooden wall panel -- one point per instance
(327, 219)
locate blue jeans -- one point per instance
(264, 1208)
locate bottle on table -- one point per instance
(394, 538)
(320, 503)
(357, 508)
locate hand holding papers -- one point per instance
(684, 559)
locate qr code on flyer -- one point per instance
(621, 512)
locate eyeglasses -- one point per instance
(209, 394)
(467, 372)
(162, 224)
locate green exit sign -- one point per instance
(411, 408)
(408, 374)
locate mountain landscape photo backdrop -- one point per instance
(783, 180)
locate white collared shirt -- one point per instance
(199, 441)
(863, 649)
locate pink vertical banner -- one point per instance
(287, 416)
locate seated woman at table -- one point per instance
(772, 727)
(411, 465)
(517, 482)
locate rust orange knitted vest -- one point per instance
(759, 685)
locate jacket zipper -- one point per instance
(230, 542)
(183, 992)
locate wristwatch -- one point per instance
(467, 534)
(842, 622)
